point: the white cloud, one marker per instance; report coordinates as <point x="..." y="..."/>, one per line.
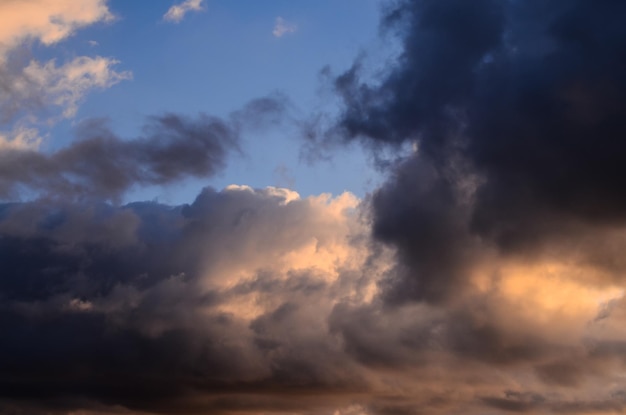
<point x="66" y="85"/>
<point x="48" y="21"/>
<point x="33" y="92"/>
<point x="177" y="12"/>
<point x="45" y="92"/>
<point x="283" y="27"/>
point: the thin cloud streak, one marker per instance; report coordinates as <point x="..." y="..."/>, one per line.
<point x="101" y="165"/>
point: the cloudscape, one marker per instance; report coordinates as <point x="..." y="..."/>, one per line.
<point x="365" y="207"/>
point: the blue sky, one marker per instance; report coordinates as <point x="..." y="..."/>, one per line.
<point x="214" y="61"/>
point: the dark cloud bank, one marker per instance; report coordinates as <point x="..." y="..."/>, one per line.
<point x="518" y="109"/>
<point x="506" y="228"/>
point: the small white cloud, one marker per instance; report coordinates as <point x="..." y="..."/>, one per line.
<point x="177" y="12"/>
<point x="283" y="27"/>
<point x="93" y="43"/>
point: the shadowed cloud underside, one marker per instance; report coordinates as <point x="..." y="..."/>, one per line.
<point x="485" y="275"/>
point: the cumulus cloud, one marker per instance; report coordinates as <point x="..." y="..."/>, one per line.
<point x="99" y="164"/>
<point x="283" y="27"/>
<point x="507" y="219"/>
<point x="228" y="295"/>
<point x="38" y="88"/>
<point x="32" y="92"/>
<point x="48" y="21"/>
<point x="506" y="160"/>
<point x="177" y="12"/>
<point x="20" y="137"/>
<point x="259" y="300"/>
<point x="486" y="275"/>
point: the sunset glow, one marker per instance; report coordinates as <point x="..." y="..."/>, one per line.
<point x="334" y="207"/>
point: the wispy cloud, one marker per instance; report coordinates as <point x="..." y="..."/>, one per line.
<point x="35" y="92"/>
<point x="177" y="12"/>
<point x="63" y="86"/>
<point x="283" y="27"/>
<point x="47" y="21"/>
<point x="485" y="275"/>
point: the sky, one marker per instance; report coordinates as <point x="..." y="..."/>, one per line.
<point x="347" y="207"/>
<point x="201" y="61"/>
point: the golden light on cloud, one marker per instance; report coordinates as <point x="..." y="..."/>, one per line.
<point x="48" y="21"/>
<point x="320" y="237"/>
<point x="483" y="274"/>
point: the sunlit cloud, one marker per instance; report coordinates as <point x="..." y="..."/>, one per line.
<point x="36" y="94"/>
<point x="48" y="21"/>
<point x="486" y="274"/>
<point x="282" y="27"/>
<point x="177" y="12"/>
<point x="50" y="86"/>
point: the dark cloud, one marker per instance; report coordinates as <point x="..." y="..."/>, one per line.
<point x="101" y="165"/>
<point x="515" y="401"/>
<point x="520" y="102"/>
<point x="484" y="276"/>
<point x="130" y="306"/>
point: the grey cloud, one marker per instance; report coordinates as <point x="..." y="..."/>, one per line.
<point x="515" y="190"/>
<point x="106" y="306"/>
<point x="142" y="307"/>
<point x="101" y="165"/>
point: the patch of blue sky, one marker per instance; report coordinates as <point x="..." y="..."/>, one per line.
<point x="216" y="60"/>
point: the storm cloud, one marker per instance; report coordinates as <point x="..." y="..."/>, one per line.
<point x="484" y="276"/>
<point x="517" y="110"/>
<point x="100" y="164"/>
<point x="164" y="309"/>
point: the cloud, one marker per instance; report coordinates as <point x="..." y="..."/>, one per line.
<point x="48" y="21"/>
<point x="20" y="138"/>
<point x="177" y="12"/>
<point x="100" y="164"/>
<point x="503" y="126"/>
<point x="257" y="300"/>
<point x="486" y="274"/>
<point x="151" y="288"/>
<point x="283" y="27"/>
<point x="38" y="88"/>
<point x="106" y="166"/>
<point x="32" y="92"/>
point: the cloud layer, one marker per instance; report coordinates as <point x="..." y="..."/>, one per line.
<point x="485" y="276"/>
<point x="228" y="296"/>
<point x="517" y="112"/>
